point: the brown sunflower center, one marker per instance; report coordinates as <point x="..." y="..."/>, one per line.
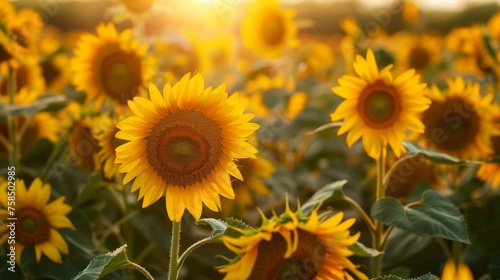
<point x="451" y="125"/>
<point x="33" y="227"/>
<point x="379" y="105"/>
<point x="4" y="54"/>
<point x="304" y="264"/>
<point x="418" y="58"/>
<point x="119" y="75"/>
<point x="50" y="73"/>
<point x="184" y="147"/>
<point x="273" y="29"/>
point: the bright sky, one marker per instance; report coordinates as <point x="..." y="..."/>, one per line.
<point x="450" y="5"/>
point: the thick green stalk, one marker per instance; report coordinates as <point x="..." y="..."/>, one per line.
<point x="174" y="251"/>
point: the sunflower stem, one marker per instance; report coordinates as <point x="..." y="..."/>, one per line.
<point x="142" y="270"/>
<point x="193" y="247"/>
<point x="378" y="241"/>
<point x="10" y="117"/>
<point x="174" y="251"/>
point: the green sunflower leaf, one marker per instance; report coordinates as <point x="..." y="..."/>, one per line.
<point x="332" y="191"/>
<point x="437" y="157"/>
<point x="30" y="109"/>
<point x="433" y="215"/>
<point x="110" y="262"/>
<point x="218" y="226"/>
<point x="326" y="127"/>
<point x="359" y="249"/>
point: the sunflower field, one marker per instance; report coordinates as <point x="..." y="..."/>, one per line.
<point x="249" y="139"/>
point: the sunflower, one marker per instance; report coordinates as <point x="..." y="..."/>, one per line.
<point x="409" y="174"/>
<point x="104" y="132"/>
<point x="110" y="64"/>
<point x="378" y="107"/>
<point x="37" y="221"/>
<point x="26" y="26"/>
<point x="183" y="144"/>
<point x="459" y="121"/>
<point x="84" y="147"/>
<point x="452" y="271"/>
<point x="7" y="11"/>
<point x="252" y="172"/>
<point x="293" y="246"/>
<point x="472" y="53"/>
<point x="29" y="82"/>
<point x="410" y="12"/>
<point x="7" y="53"/>
<point x="419" y="52"/>
<point x="490" y="172"/>
<point x="267" y="30"/>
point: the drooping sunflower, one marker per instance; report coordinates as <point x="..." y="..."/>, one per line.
<point x="252" y="172"/>
<point x="293" y="246"/>
<point x="37" y="221"/>
<point x="378" y="107"/>
<point x="267" y="29"/>
<point x="110" y="65"/>
<point x="182" y="145"/>
<point x="490" y="172"/>
<point x="459" y="121"/>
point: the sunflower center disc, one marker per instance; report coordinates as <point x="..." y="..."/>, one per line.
<point x="419" y="58"/>
<point x="120" y="75"/>
<point x="4" y="54"/>
<point x="378" y="105"/>
<point x="305" y="263"/>
<point x="456" y="123"/>
<point x="274" y="29"/>
<point x="33" y="226"/>
<point x="184" y="147"/>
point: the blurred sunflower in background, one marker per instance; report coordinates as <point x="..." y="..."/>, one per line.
<point x="454" y="271"/>
<point x="459" y="121"/>
<point x="29" y="83"/>
<point x="418" y="52"/>
<point x="110" y="65"/>
<point x="104" y="132"/>
<point x="379" y="108"/>
<point x="253" y="171"/>
<point x="84" y="147"/>
<point x="292" y="245"/>
<point x="490" y="172"/>
<point x="267" y="29"/>
<point x="38" y="221"/>
<point x="182" y="144"/>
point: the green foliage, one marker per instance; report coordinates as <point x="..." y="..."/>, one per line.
<point x="220" y="227"/>
<point x="361" y="250"/>
<point x="434" y="216"/>
<point x="436" y="157"/>
<point x="401" y="245"/>
<point x="107" y="263"/>
<point x="43" y="102"/>
<point x="330" y="192"/>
